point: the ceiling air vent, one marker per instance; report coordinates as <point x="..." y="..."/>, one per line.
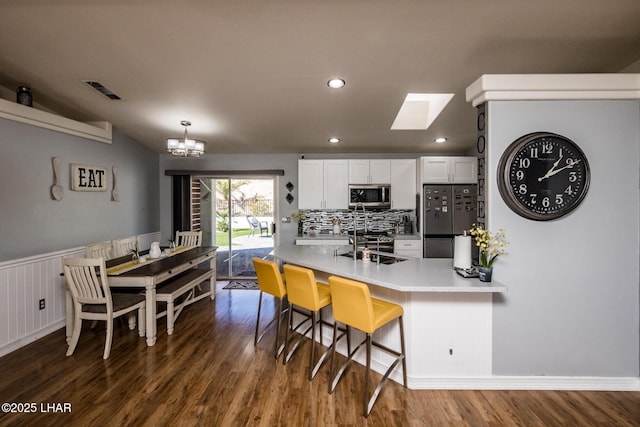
<point x="100" y="88"/>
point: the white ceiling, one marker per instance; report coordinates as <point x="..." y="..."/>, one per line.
<point x="251" y="74"/>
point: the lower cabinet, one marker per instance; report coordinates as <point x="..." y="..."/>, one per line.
<point x="408" y="248"/>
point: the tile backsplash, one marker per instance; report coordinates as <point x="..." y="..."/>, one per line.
<point x="381" y="220"/>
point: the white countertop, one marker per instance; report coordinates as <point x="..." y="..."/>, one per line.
<point x="345" y="237"/>
<point x="412" y="275"/>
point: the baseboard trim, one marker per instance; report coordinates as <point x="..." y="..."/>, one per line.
<point x="489" y="382"/>
<point x="523" y="383"/>
<point x="28" y="339"/>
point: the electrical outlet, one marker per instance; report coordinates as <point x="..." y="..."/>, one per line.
<point x="41" y="304"/>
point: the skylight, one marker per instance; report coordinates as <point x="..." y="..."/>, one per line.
<point x="419" y="110"/>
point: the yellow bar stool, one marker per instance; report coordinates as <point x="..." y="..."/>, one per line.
<point x="303" y="292"/>
<point x="354" y="307"/>
<point x="270" y="281"/>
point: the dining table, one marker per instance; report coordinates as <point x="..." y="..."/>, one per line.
<point x="148" y="273"/>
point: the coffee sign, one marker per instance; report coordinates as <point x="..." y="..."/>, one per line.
<point x="88" y="177"/>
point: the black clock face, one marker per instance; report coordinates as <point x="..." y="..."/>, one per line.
<point x="543" y="176"/>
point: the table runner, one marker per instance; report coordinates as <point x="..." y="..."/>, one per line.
<point x="133" y="264"/>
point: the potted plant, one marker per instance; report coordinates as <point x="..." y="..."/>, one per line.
<point x="299" y="217"/>
<point x="491" y="246"/>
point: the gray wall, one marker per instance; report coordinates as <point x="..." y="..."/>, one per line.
<point x="33" y="223"/>
<point x="241" y="162"/>
<point x="572" y="305"/>
<point x="247" y="162"/>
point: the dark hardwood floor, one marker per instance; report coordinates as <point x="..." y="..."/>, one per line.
<point x="209" y="373"/>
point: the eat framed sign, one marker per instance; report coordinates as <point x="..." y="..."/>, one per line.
<point x="88" y="177"/>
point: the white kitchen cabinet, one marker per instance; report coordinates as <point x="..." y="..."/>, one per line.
<point x="403" y="183"/>
<point x="323" y="184"/>
<point x="310" y="184"/>
<point x="408" y="248"/>
<point x="373" y="171"/>
<point x="449" y="170"/>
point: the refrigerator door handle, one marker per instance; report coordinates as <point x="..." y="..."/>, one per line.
<point x="417" y="212"/>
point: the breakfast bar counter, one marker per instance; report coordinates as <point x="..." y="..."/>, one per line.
<point x="448" y="319"/>
<point x="411" y="275"/>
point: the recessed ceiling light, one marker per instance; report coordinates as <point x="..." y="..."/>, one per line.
<point x="334" y="140"/>
<point x="336" y="83"/>
<point x="440" y="140"/>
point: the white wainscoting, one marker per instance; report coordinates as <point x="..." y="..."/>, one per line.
<point x="23" y="283"/>
<point x="145" y="240"/>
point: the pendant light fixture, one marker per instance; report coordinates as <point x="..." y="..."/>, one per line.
<point x="185" y="147"/>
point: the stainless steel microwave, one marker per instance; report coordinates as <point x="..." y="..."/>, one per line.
<point x="373" y="195"/>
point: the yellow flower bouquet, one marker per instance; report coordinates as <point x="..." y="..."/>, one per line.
<point x="298" y="216"/>
<point x="491" y="245"/>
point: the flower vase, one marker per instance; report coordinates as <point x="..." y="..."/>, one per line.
<point x="484" y="273"/>
<point x="155" y="251"/>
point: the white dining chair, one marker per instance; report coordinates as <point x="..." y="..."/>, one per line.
<point x="100" y="250"/>
<point x="122" y="247"/>
<point x="92" y="299"/>
<point x="188" y="238"/>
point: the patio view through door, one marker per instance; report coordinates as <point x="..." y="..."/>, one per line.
<point x="236" y="214"/>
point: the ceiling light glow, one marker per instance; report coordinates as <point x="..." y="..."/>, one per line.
<point x="185" y="146"/>
<point x="440" y="140"/>
<point x="334" y="140"/>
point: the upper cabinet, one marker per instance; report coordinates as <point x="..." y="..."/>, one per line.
<point x="374" y="171"/>
<point x="403" y="183"/>
<point x="323" y="184"/>
<point x="449" y="170"/>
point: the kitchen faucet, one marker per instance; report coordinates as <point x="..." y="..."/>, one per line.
<point x="355" y="228"/>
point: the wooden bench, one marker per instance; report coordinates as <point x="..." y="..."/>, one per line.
<point x="180" y="285"/>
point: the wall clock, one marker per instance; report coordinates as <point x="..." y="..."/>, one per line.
<point x="543" y="176"/>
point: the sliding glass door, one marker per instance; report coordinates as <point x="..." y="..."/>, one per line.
<point x="237" y="215"/>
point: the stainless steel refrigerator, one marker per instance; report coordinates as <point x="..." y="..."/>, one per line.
<point x="448" y="211"/>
